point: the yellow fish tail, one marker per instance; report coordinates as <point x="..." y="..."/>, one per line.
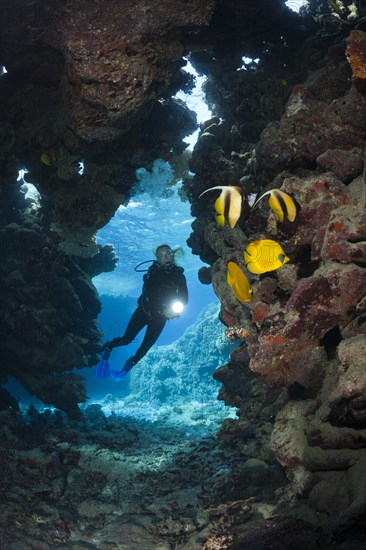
<point x="242" y="294"/>
<point x="291" y="209"/>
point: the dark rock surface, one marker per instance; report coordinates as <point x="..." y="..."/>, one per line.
<point x="105" y="102"/>
<point x="49" y="307"/>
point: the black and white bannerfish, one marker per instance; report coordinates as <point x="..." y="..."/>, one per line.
<point x="230" y="205"/>
<point x="282" y="204"/>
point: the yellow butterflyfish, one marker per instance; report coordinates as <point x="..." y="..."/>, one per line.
<point x="239" y="282"/>
<point x="264" y="255"/>
<point x="48" y="158"/>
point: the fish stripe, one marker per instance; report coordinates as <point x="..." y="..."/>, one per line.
<point x="227" y="202"/>
<point x="282" y="203"/>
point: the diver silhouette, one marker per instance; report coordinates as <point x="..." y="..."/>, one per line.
<point x="164" y="295"/>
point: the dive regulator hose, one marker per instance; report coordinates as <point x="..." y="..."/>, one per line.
<point x="142" y="263"/>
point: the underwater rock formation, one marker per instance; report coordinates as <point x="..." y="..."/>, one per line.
<point x="119" y="61"/>
<point x="308" y="129"/>
<point x="106" y="103"/>
<point x="49" y="307"/>
<point x="356" y="54"/>
<point x="302" y="332"/>
<point x="86" y="99"/>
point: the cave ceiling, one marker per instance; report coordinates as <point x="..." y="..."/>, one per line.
<point x="92" y="81"/>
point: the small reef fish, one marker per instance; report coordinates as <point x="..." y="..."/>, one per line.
<point x="238" y="282"/>
<point x="263" y="256"/>
<point x="48" y="159"/>
<point x="230" y="204"/>
<point x="282" y="204"/>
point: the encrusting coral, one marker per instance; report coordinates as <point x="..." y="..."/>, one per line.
<point x="306" y="318"/>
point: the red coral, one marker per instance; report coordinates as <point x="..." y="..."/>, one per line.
<point x="260" y="313"/>
<point x="356" y="55"/>
<point x="227" y="318"/>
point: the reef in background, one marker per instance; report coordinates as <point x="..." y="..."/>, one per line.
<point x="182" y="371"/>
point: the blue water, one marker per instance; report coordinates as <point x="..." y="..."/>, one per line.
<point x="155" y="215"/>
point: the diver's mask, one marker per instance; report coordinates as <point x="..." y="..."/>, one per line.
<point x="165" y="256"/>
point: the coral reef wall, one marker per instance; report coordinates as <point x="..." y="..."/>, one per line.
<point x="295" y="120"/>
<point x="81" y="75"/>
<point x="49" y="305"/>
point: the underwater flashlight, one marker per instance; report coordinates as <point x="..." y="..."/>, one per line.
<point x="177" y="307"/>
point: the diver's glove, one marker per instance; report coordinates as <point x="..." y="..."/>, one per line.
<point x="169" y="314"/>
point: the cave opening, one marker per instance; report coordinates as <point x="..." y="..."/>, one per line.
<point x="159" y="212"/>
<point x="296" y="5"/>
<point x="330" y="341"/>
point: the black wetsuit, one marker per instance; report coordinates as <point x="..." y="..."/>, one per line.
<point x="162" y="286"/>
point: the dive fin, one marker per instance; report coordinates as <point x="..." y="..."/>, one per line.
<point x="103" y="367"/>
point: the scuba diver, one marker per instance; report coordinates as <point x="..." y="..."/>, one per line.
<point x="164" y="295"/>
